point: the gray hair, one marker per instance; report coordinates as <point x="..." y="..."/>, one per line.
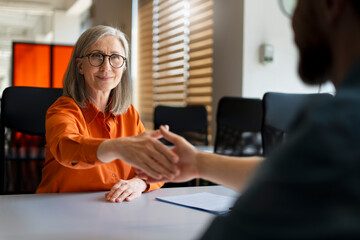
<point x="74" y="82"/>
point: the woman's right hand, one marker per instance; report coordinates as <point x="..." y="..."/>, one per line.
<point x="144" y="152"/>
<point x="187" y="164"/>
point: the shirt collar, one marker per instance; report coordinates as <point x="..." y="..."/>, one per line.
<point x="91" y="112"/>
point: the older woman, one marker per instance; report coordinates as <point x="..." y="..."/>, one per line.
<point x="93" y="126"/>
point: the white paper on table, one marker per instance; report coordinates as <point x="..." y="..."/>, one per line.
<point x="205" y="201"/>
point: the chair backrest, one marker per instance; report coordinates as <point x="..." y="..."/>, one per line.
<point x="280" y="110"/>
<point x="23" y="111"/>
<point x="238" y="131"/>
<point x="190" y="122"/>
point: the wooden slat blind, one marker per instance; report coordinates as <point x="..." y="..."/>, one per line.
<point x="180" y="43"/>
<point x="145" y="64"/>
<point x="201" y="55"/>
<point x="170" y="51"/>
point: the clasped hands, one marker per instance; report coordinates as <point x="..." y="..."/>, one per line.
<point x="186" y="164"/>
<point x="154" y="162"/>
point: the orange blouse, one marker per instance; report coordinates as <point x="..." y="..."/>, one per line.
<point x="73" y="135"/>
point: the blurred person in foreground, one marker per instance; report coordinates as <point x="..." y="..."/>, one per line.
<point x="94" y="135"/>
<point x="308" y="188"/>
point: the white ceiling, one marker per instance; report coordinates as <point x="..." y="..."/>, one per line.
<point x="30" y="20"/>
<point x="21" y="19"/>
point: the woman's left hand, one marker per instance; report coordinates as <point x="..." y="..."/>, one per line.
<point x="126" y="190"/>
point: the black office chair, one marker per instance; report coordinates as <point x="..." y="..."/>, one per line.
<point x="280" y="110"/>
<point x="23" y="111"/>
<point x="238" y="131"/>
<point x="190" y="122"/>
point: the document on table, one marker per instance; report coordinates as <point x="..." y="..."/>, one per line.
<point x="205" y="201"/>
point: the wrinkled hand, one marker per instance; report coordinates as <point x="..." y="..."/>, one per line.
<point x="126" y="190"/>
<point x="187" y="159"/>
<point x="144" y="152"/>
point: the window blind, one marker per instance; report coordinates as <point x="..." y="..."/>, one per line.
<point x="177" y="35"/>
<point x="144" y="72"/>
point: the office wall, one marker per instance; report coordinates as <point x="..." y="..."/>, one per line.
<point x="240" y="28"/>
<point x="228" y="49"/>
<point x="116" y="13"/>
<point x="264" y="23"/>
<point x="67" y="28"/>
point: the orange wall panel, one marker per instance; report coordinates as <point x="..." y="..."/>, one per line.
<point x="31" y="65"/>
<point x="40" y="65"/>
<point x="61" y="58"/>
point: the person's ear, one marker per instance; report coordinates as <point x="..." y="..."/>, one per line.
<point x="79" y="65"/>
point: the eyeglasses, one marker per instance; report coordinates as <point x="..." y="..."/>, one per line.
<point x="288" y="6"/>
<point x="97" y="59"/>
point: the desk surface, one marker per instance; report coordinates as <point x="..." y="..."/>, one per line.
<point x="88" y="216"/>
<point x="208" y="149"/>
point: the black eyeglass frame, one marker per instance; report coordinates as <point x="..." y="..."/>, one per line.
<point x="105" y="55"/>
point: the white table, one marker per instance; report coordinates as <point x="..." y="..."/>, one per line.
<point x="88" y="216"/>
<point x="208" y="149"/>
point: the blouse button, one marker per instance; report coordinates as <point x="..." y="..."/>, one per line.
<point x="114" y="175"/>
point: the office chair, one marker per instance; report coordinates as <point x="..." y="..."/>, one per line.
<point x="238" y="131"/>
<point x="279" y="111"/>
<point x="190" y="122"/>
<point x="23" y="111"/>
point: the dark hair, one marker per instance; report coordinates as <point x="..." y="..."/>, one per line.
<point x="356" y="4"/>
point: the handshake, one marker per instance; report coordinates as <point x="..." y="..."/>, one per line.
<point x="183" y="163"/>
<point x="156" y="162"/>
<point x="176" y="164"/>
